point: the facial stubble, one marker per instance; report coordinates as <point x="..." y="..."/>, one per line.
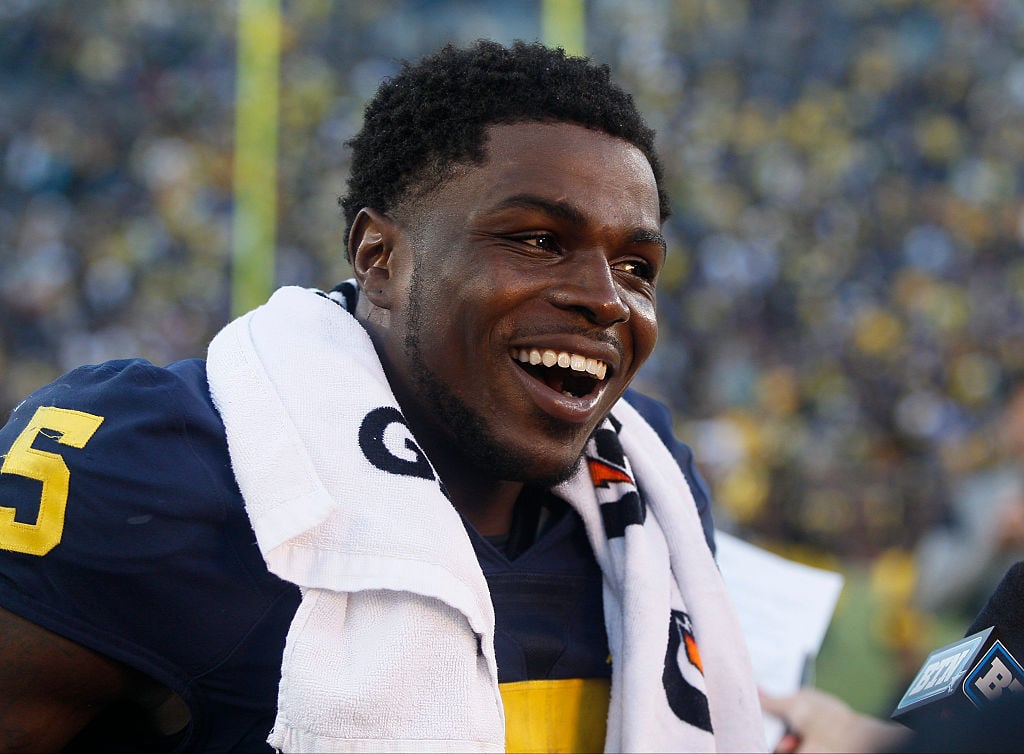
<point x="467" y="429"/>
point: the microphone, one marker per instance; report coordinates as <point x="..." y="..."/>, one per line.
<point x="976" y="671"/>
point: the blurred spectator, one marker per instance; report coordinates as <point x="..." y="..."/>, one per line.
<point x="959" y="562"/>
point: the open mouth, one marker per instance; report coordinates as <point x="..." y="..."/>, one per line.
<point x="570" y="374"/>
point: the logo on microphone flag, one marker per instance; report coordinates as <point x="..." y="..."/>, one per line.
<point x="996" y="674"/>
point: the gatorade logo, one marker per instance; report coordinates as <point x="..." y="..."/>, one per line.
<point x="683" y="672"/>
<point x="387" y="443"/>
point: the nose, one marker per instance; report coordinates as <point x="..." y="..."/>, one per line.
<point x="588" y="287"/>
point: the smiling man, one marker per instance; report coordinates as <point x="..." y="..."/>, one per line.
<point x="419" y="512"/>
<point x="487" y="306"/>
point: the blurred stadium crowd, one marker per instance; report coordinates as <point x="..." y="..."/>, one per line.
<point x="843" y="310"/>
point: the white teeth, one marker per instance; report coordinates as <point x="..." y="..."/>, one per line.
<point x="564" y="359"/>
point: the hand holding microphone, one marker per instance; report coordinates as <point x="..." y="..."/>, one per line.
<point x="819" y="722"/>
<point x="967" y="696"/>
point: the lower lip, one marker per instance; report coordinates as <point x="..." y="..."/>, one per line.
<point x="562" y="407"/>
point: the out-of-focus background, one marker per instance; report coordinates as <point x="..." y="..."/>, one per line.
<point x="842" y="313"/>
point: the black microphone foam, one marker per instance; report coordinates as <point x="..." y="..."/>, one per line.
<point x="992" y="722"/>
<point x="1005" y="609"/>
<point x="976" y="671"/>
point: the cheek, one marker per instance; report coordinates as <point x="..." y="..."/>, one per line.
<point x="488" y="298"/>
<point x="644" y="321"/>
<point x="646" y="346"/>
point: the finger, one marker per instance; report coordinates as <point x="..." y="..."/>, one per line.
<point x="774" y="705"/>
<point x="787" y="744"/>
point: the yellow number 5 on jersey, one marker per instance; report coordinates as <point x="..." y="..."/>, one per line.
<point x="75" y="429"/>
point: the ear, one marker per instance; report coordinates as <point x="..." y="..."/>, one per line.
<point x="371" y="245"/>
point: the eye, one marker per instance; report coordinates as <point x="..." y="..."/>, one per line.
<point x="543" y="241"/>
<point x="637" y="268"/>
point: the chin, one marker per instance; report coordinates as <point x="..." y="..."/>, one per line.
<point x="547" y="475"/>
<point x="542" y="451"/>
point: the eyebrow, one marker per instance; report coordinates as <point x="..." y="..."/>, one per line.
<point x="569" y="213"/>
<point x="640" y="235"/>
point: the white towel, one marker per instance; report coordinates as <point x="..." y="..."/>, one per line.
<point x="391" y="648"/>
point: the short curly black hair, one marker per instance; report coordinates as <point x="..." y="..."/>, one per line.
<point x="433" y="115"/>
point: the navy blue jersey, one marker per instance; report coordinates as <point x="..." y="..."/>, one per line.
<point x="152" y="561"/>
<point x="554" y="667"/>
<point x="547" y="600"/>
<point x="122" y="529"/>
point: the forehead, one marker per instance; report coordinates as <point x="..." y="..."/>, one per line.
<point x="599" y="173"/>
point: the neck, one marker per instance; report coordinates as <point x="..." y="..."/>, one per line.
<point x="487" y="505"/>
<point x="485" y="502"/>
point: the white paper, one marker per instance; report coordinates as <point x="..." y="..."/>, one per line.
<point x="784" y="609"/>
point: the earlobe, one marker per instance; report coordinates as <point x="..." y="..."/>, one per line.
<point x="371" y="243"/>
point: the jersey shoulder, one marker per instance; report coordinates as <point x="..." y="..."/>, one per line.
<point x="125" y="525"/>
<point x="128" y="394"/>
<point x="109" y="443"/>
